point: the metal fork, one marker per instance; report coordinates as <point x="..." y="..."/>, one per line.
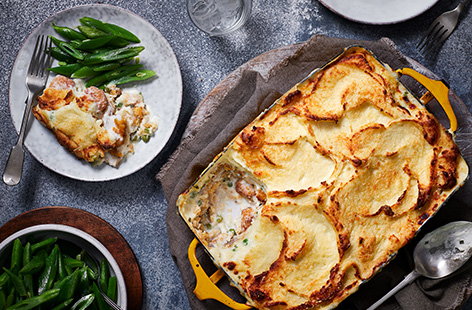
<point x="36" y="78"/>
<point x="441" y="29"/>
<point x="107" y="299"/>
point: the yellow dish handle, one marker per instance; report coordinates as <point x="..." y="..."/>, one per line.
<point x="206" y="288"/>
<point x="438" y="89"/>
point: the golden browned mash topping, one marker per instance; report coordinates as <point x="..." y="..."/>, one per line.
<point x="318" y="193"/>
<point x="96" y="125"/>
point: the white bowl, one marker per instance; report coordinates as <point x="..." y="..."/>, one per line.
<point x="77" y="237"/>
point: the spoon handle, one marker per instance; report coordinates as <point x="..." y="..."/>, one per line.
<point x="408" y="279"/>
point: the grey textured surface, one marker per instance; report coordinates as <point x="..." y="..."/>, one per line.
<point x="135" y="205"/>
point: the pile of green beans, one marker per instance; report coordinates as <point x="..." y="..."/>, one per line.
<point x="99" y="53"/>
<point x="42" y="276"/>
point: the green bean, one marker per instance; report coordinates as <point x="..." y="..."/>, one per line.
<point x="66" y="70"/>
<point x="84" y="302"/>
<point x="17" y="282"/>
<point x="68" y="269"/>
<point x="103" y="49"/>
<point x="63" y="305"/>
<point x="110" y="28"/>
<point x="84" y="283"/>
<point x="3" y="280"/>
<point x="118" y="42"/>
<point x="35" y="264"/>
<point x="56" y="41"/>
<point x="81" y="255"/>
<point x="10" y="297"/>
<point x="92" y="44"/>
<point x="72" y="51"/>
<point x="84" y="72"/>
<point x="123" y="33"/>
<point x="26" y="254"/>
<point x="106" y="67"/>
<point x="49" y="273"/>
<point x="112" y="75"/>
<point x="111" y="289"/>
<point x="73" y="263"/>
<point x="94" y="23"/>
<point x="16" y="256"/>
<point x="99" y="298"/>
<point x="91" y="32"/>
<point x="3" y="300"/>
<point x="134" y="60"/>
<point x="33" y="302"/>
<point x="58" y="54"/>
<point x="91" y="274"/>
<point x="61" y="269"/>
<point x="104" y="275"/>
<point x="139" y="75"/>
<point x="41" y="245"/>
<point x="69" y="48"/>
<point x="27" y="279"/>
<point x="113" y="55"/>
<point x="68" y="286"/>
<point x="75" y="43"/>
<point x="68" y="33"/>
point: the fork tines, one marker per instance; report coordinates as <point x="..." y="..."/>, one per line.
<point x="435" y="37"/>
<point x="41" y="58"/>
<point x="441" y="29"/>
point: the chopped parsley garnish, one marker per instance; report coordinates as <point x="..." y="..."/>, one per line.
<point x="230" y="184"/>
<point x="232" y="230"/>
<point x="235" y="247"/>
<point x="193" y="194"/>
<point x="219" y="219"/>
<point x="208" y="226"/>
<point x="119" y="104"/>
<point x="199" y="202"/>
<point x="245" y="241"/>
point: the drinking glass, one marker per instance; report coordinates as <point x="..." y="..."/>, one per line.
<point x="218" y="17"/>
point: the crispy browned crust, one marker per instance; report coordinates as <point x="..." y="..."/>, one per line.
<point x="57" y="96"/>
<point x="379" y="182"/>
<point x="53" y="99"/>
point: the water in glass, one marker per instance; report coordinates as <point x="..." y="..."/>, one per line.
<point x="217" y="17"/>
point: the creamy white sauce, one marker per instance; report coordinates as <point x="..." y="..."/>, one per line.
<point x="227" y="211"/>
<point x="79" y="88"/>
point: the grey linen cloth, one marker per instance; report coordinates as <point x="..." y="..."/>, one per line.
<point x="237" y="100"/>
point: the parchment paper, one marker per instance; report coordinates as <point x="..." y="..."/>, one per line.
<point x="238" y="99"/>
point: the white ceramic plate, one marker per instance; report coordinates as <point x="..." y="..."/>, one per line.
<point x="378" y="11"/>
<point x="163" y="95"/>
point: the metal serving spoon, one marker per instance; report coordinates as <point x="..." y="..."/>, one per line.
<point x="439" y="254"/>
